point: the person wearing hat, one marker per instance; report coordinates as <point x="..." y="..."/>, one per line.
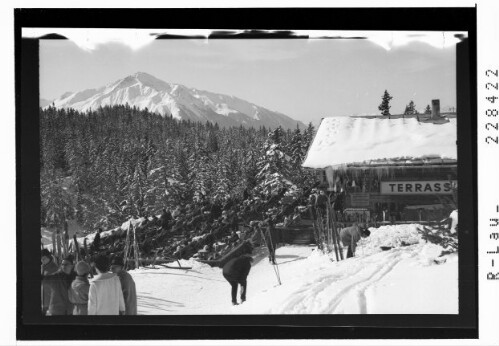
<point x="59" y="284"/>
<point x="127" y="286"/>
<point x="105" y="296"/>
<point x="78" y="293"/>
<point x="48" y="267"/>
<point x="351" y="235"/>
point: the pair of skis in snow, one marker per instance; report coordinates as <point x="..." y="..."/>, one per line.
<point x="271" y="248"/>
<point x="60" y="245"/>
<point x="147" y="263"/>
<point x="326" y="233"/>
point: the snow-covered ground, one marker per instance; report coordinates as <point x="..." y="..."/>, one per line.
<point x="402" y="280"/>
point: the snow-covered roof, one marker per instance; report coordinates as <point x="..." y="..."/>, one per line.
<point x="345" y="140"/>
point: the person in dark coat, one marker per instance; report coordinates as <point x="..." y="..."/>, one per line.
<point x="48" y="267"/>
<point x="350" y="236"/>
<point x="96" y="242"/>
<point x="236" y="272"/>
<point x="271" y="239"/>
<point x="165" y="218"/>
<point x="59" y="284"/>
<point x="127" y="286"/>
<point x="321" y="202"/>
<point x="78" y="292"/>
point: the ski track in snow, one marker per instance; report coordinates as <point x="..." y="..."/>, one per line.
<point x="333" y="289"/>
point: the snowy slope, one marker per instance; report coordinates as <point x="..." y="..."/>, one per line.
<point x="403" y="280"/>
<point x="144" y="90"/>
<point x="342" y="140"/>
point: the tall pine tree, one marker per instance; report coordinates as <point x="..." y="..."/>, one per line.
<point x="384" y="107"/>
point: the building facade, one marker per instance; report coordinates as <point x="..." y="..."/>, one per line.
<point x="416" y="191"/>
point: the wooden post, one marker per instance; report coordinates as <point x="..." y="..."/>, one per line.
<point x="318" y="222"/>
<point x="135" y="248"/>
<point x="331" y="229"/>
<point x="66" y="241"/>
<point x="66" y="236"/>
<point x="54" y="247"/>
<point x="85" y="247"/>
<point x="59" y="250"/>
<point x="76" y="248"/>
<point x="127" y="245"/>
<point x="316" y="231"/>
<point x="64" y="244"/>
<point x="322" y="232"/>
<point x="337" y="238"/>
<point x="276" y="270"/>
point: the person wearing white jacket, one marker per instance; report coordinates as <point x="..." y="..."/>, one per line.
<point x="105" y="296"/>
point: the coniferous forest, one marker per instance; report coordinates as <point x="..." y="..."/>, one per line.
<point x="107" y="165"/>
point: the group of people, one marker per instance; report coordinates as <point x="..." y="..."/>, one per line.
<point x="101" y="287"/>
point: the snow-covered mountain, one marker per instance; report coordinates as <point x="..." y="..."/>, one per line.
<point x="143" y="90"/>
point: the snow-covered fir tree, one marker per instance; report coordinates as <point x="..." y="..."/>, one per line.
<point x="274" y="173"/>
<point x="410" y="109"/>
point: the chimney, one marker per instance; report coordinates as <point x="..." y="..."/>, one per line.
<point x="435" y="109"/>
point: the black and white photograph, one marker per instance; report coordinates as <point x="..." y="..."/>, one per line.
<point x="195" y="175"/>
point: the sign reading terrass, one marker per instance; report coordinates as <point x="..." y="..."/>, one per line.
<point x="436" y="187"/>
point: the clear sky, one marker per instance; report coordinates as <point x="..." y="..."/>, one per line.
<point x="304" y="79"/>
